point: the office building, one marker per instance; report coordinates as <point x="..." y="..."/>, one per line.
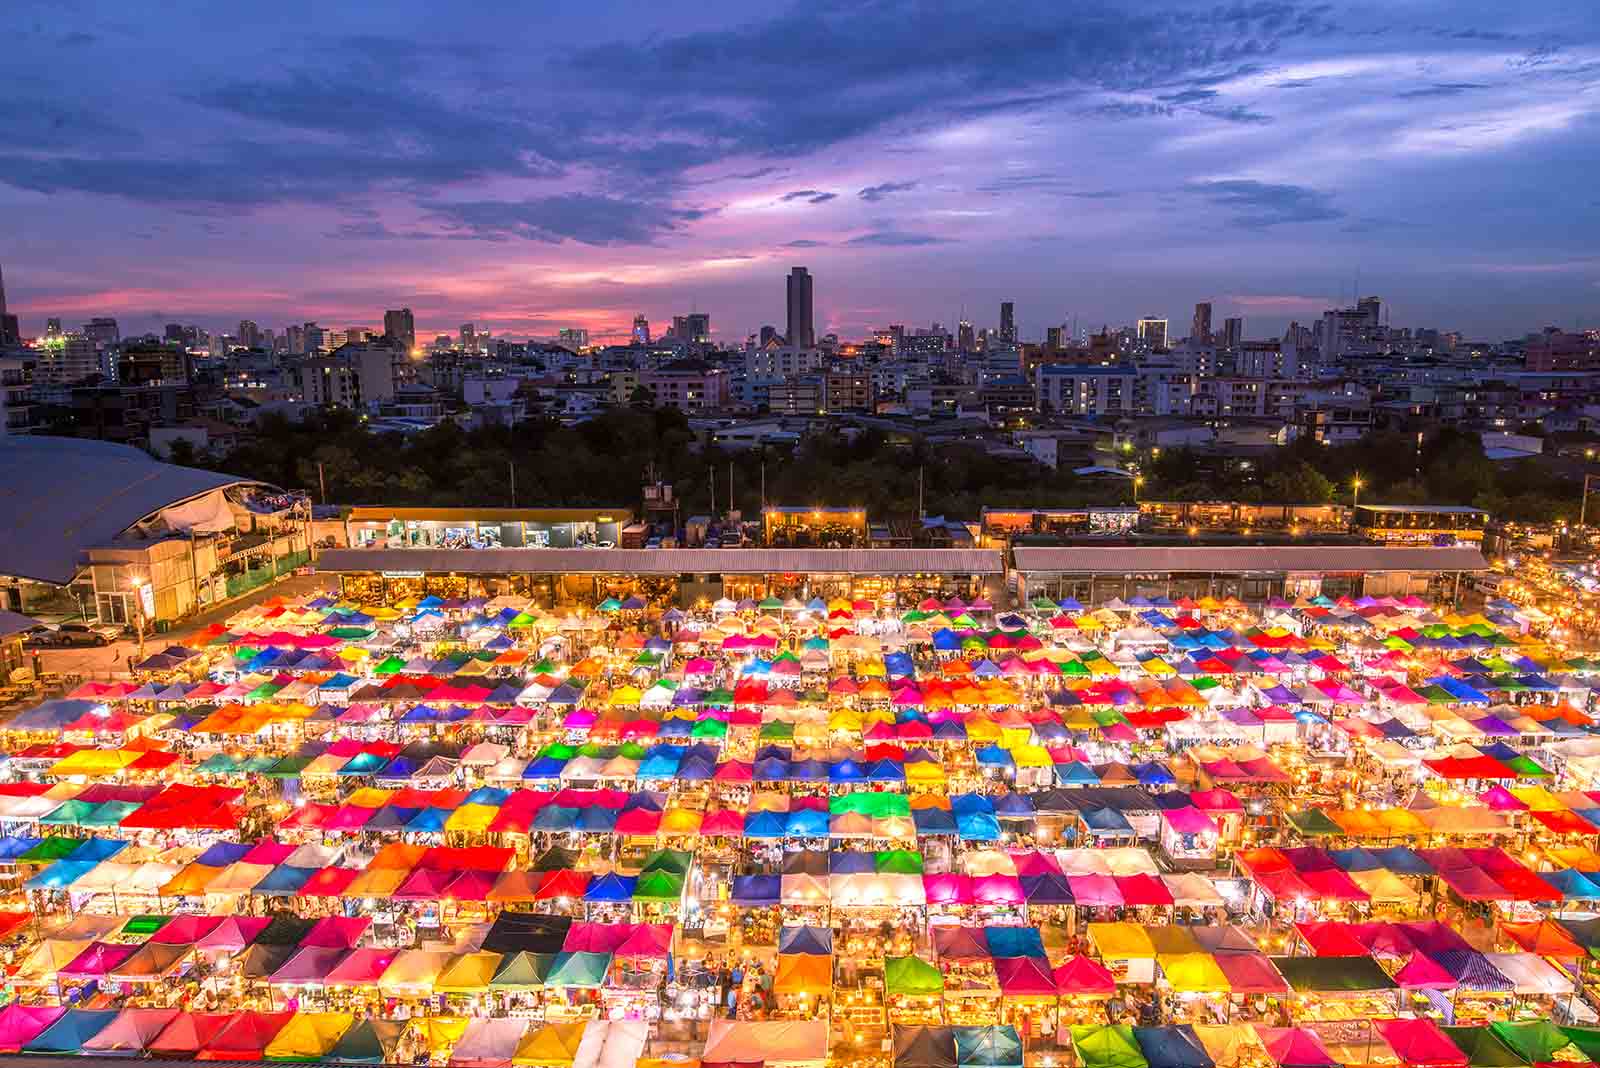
<point x="8" y="322"/>
<point x="359" y="377"/>
<point x="641" y="330"/>
<point x="802" y="331"/>
<point x="1152" y="333"/>
<point x="1008" y="322"/>
<point x="295" y="339"/>
<point x="249" y="334"/>
<point x="102" y="331"/>
<point x="966" y="338"/>
<point x="469" y="337"/>
<point x="149" y="365"/>
<point x="573" y="337"/>
<point x="65" y="359"/>
<point x="1232" y="334"/>
<point x="1200" y="329"/>
<point x="400" y="328"/>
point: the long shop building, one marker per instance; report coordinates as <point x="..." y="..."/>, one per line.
<point x="1091" y="574"/>
<point x="682" y="577"/>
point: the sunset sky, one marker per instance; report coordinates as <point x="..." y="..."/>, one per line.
<point x="538" y="165"/>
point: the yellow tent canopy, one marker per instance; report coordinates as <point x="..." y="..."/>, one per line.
<point x="551" y="1045"/>
<point x="308" y="1036"/>
<point x="468" y="973"/>
<point x="1121" y="941"/>
<point x="1193" y="973"/>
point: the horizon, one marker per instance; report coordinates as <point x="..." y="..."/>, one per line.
<point x="925" y="160"/>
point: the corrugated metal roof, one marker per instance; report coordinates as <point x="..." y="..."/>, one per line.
<point x="59" y="496"/>
<point x="668" y="561"/>
<point x="1121" y="560"/>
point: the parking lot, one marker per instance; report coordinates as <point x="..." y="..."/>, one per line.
<point x="114" y="660"/>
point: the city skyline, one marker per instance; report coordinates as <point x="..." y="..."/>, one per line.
<point x="925" y="162"/>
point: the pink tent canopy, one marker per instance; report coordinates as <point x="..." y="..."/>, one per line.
<point x="1189" y="820"/>
<point x="1295" y="1047"/>
<point x="1422" y="973"/>
<point x="1024" y="976"/>
<point x="363" y="967"/>
<point x="1215" y="801"/>
<point x="647" y="940"/>
<point x="997" y="890"/>
<point x="1081" y="975"/>
<point x="96" y="961"/>
<point x="182" y="930"/>
<point x="596" y="937"/>
<point x="1095" y="890"/>
<point x="309" y="965"/>
<point x="130" y="1032"/>
<point x="1251" y="973"/>
<point x="232" y="934"/>
<point x="1420" y="1041"/>
<point x="337" y="932"/>
<point x="21" y="1024"/>
<point x="947" y="889"/>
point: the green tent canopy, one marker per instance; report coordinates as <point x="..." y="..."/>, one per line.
<point x="898" y="862"/>
<point x="368" y="1041"/>
<point x="586" y="970"/>
<point x="911" y="976"/>
<point x="1107" y="1046"/>
<point x="659" y="886"/>
<point x="523" y="970"/>
<point x="1537" y="1040"/>
<point x="1313" y="821"/>
<point x="1482" y="1048"/>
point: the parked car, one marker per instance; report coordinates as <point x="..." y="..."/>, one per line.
<point x="68" y="635"/>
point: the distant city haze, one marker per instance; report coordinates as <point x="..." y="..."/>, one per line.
<point x="572" y="166"/>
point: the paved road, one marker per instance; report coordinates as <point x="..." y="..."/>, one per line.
<point x="108" y="661"/>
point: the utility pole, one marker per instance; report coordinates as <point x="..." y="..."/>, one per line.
<point x="1583" y="508"/>
<point x="763" y="486"/>
<point x="322" y="485"/>
<point x="921" y="512"/>
<point x="513" y="465"/>
<point x="732" y="505"/>
<point x="712" y="472"/>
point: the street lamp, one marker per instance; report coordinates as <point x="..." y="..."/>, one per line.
<point x="138" y="615"/>
<point x="1138" y="480"/>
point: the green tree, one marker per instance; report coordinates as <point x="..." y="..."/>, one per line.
<point x="1299" y="483"/>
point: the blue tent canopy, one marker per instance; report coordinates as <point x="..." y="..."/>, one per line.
<point x="806" y="823"/>
<point x="850" y="863"/>
<point x="221" y="854"/>
<point x="555" y="818"/>
<point x="284" y="881"/>
<point x="1047" y="889"/>
<point x="1014" y="942"/>
<point x="764" y="825"/>
<point x="1172" y="1047"/>
<point x="933" y="821"/>
<point x="757" y="889"/>
<point x="611" y="887"/>
<point x="68" y="1034"/>
<point x="814" y="941"/>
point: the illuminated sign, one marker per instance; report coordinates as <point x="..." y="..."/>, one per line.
<point x="402" y="574"/>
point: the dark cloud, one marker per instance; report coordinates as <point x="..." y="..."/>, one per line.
<point x="810" y="196"/>
<point x="1259" y="205"/>
<point x="804" y="243"/>
<point x="1441" y="89"/>
<point x="895" y="239"/>
<point x="1190" y="96"/>
<point x="876" y="193"/>
<point x="1053" y="184"/>
<point x="585" y="218"/>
